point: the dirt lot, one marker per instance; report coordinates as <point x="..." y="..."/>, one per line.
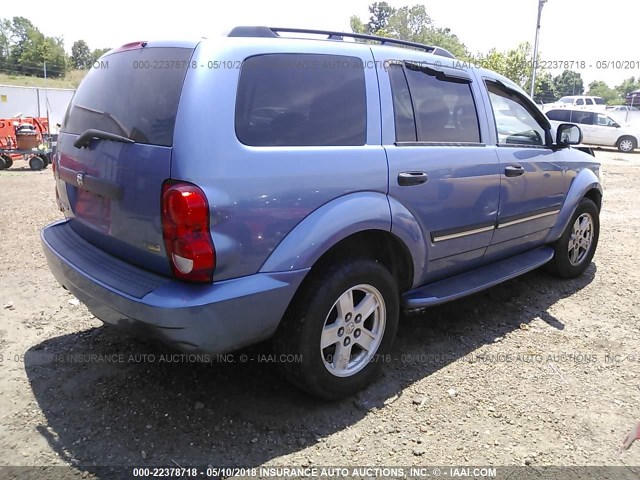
<point x="535" y="371"/>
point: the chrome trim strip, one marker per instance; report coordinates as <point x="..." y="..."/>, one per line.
<point x="528" y="219"/>
<point x="462" y="234"/>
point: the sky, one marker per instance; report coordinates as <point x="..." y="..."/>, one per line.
<point x="571" y="30"/>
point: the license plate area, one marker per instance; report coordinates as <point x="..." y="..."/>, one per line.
<point x="94" y="209"/>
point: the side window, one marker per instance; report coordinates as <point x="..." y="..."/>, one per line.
<point x="559" y="115"/>
<point x="580" y="101"/>
<point x="584" y="118"/>
<point x="443" y="107"/>
<point x="402" y="106"/>
<point x="588" y="101"/>
<point x="301" y="100"/>
<point x="515" y="123"/>
<point x="604" y="121"/>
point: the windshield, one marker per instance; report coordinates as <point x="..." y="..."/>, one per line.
<point x="599" y="101"/>
<point x="134" y="95"/>
<point x="566" y="100"/>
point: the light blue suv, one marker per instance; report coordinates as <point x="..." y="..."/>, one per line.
<point x="295" y="185"/>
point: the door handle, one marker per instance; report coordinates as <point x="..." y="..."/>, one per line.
<point x="513" y="171"/>
<point x="406" y="179"/>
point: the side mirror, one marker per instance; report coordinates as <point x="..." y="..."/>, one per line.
<point x="568" y="134"/>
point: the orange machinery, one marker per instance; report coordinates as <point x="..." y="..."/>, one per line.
<point x="8" y="138"/>
<point x="28" y="143"/>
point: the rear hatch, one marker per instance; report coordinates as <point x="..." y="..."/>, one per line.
<point x="115" y="150"/>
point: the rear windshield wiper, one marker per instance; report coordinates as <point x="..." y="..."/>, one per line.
<point x="85" y="138"/>
<point x="117" y="122"/>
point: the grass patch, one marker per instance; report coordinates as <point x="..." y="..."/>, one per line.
<point x="71" y="80"/>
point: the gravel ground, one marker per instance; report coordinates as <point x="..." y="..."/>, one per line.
<point x="536" y="371"/>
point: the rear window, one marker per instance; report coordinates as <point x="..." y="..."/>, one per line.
<point x="599" y="101"/>
<point x="559" y="115"/>
<point x="301" y="100"/>
<point x="135" y="95"/>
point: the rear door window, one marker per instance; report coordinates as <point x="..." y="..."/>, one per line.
<point x="301" y="100"/>
<point x="135" y="95"/>
<point x="443" y="106"/>
<point x="584" y="118"/>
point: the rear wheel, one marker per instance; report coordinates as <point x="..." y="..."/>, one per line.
<point x="627" y="144"/>
<point x="339" y="328"/>
<point x="36" y="163"/>
<point x="6" y="162"/>
<point x="577" y="245"/>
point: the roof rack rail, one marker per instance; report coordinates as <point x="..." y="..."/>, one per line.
<point x="272" y="32"/>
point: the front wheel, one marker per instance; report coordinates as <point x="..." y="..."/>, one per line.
<point x="627" y="144"/>
<point x="340" y="328"/>
<point x="577" y="245"/>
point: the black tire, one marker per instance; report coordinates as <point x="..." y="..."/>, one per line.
<point x="561" y="265"/>
<point x="6" y="162"/>
<point x="302" y="326"/>
<point x="36" y="163"/>
<point x="627" y="144"/>
<point x="45" y="159"/>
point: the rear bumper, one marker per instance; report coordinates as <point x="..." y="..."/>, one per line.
<point x="214" y="318"/>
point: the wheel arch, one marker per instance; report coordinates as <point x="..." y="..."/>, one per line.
<point x="585" y="185"/>
<point x="380" y="245"/>
<point x="357" y="224"/>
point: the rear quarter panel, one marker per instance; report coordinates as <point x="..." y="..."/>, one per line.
<point x="257" y="195"/>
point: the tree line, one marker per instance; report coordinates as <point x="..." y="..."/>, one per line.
<point x="413" y="23"/>
<point x="24" y="49"/>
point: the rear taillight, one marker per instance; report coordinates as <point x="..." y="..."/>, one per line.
<point x="185" y="228"/>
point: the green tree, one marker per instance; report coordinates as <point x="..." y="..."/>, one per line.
<point x="515" y="64"/>
<point x="568" y="83"/>
<point x="5" y="42"/>
<point x="380" y="12"/>
<point x="37" y="51"/>
<point x="24" y="49"/>
<point x="493" y="60"/>
<point x="408" y="23"/>
<point x="628" y="86"/>
<point x="601" y="89"/>
<point x="545" y="91"/>
<point x="97" y="53"/>
<point x="81" y="57"/>
<point x="21" y="30"/>
<point x="519" y="65"/>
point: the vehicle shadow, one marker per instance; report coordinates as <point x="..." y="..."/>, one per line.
<point x="21" y="169"/>
<point x="101" y="411"/>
